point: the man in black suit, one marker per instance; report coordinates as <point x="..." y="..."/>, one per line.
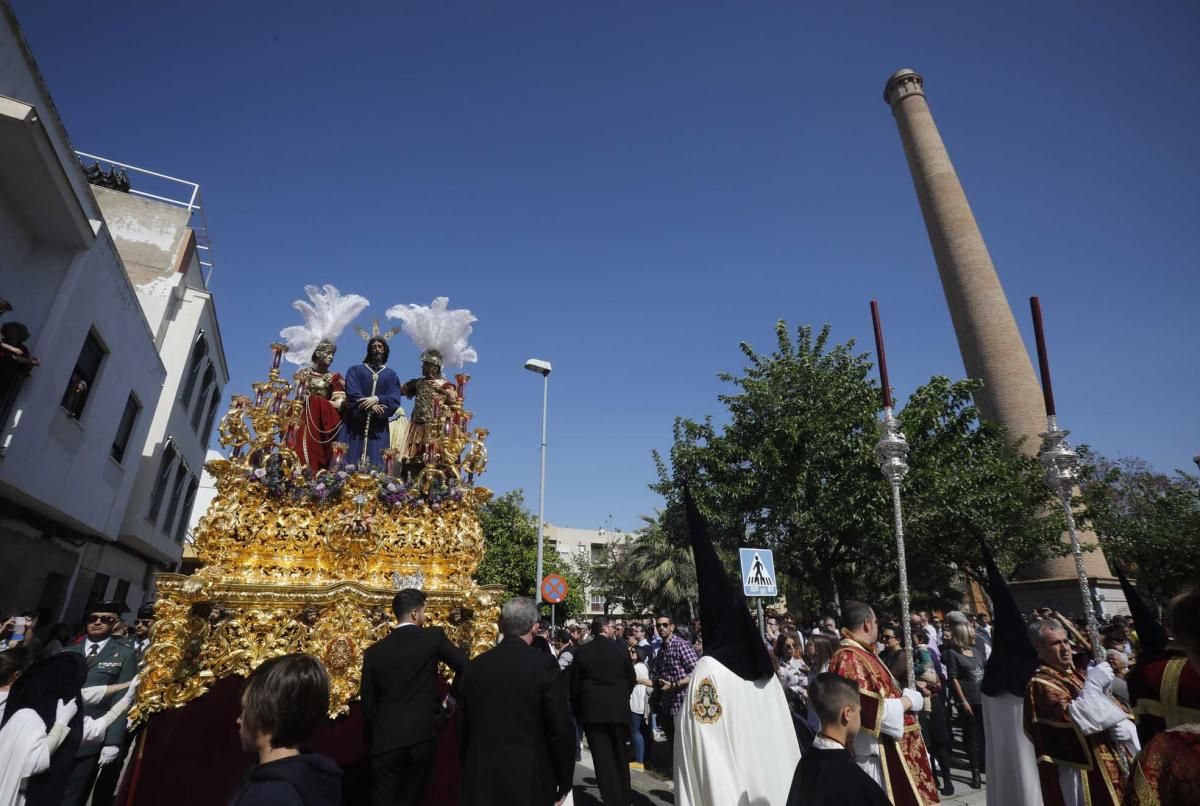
<point x="400" y="702"/>
<point x="601" y="680"/>
<point x="517" y="742"/>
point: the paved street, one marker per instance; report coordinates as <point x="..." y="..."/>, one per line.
<point x="650" y="790"/>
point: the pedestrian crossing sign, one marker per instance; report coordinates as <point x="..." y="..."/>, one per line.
<point x="758" y="572"/>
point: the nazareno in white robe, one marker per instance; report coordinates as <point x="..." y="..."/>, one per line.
<point x="25" y="750"/>
<point x="1012" y="774"/>
<point x="746" y="755"/>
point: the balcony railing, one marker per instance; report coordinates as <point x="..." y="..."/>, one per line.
<point x="173" y="191"/>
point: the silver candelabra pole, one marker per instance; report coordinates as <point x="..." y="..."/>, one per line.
<point x="891" y="451"/>
<point x="1062" y="476"/>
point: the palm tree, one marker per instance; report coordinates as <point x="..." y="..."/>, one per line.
<point x="658" y="569"/>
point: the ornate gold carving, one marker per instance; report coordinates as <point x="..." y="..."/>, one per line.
<point x="286" y="568"/>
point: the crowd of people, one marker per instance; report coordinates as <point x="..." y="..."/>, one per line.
<point x="625" y="687"/>
<point x="64" y="697"/>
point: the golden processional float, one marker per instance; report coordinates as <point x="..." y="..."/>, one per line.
<point x="299" y="561"/>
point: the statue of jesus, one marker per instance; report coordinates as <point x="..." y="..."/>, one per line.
<point x="372" y="397"/>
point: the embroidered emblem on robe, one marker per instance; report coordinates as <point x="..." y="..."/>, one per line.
<point x="705" y="705"/>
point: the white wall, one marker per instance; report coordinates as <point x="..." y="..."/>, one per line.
<point x="181" y="310"/>
<point x="570" y="542"/>
<point x="58" y="480"/>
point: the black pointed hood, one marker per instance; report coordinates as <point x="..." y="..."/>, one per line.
<point x="1151" y="634"/>
<point x="1013" y="660"/>
<point x="730" y="634"/>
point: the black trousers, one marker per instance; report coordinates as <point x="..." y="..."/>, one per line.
<point x="80" y="780"/>
<point x="973" y="738"/>
<point x="105" y="790"/>
<point x="398" y="776"/>
<point x="607" y="743"/>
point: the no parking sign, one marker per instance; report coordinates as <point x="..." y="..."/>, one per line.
<point x="554" y="588"/>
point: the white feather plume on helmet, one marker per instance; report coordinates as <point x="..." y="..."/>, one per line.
<point x="325" y="317"/>
<point x="437" y="330"/>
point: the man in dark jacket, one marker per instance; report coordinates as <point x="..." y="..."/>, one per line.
<point x="601" y="680"/>
<point x="400" y="701"/>
<point x="285" y="699"/>
<point x="517" y="741"/>
<point x="828" y="774"/>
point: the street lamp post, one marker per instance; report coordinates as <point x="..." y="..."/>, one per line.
<point x="541" y="368"/>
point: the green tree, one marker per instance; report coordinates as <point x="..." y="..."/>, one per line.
<point x="1147" y="521"/>
<point x="510" y="554"/>
<point x="650" y="571"/>
<point x="794" y="470"/>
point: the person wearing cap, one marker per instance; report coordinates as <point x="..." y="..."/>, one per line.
<point x="889" y="748"/>
<point x="735" y="741"/>
<point x="141" y="631"/>
<point x="109" y="777"/>
<point x="109" y="662"/>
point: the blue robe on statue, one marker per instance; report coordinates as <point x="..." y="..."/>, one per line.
<point x="356" y="426"/>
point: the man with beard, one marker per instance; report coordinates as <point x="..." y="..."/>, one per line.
<point x="372" y="396"/>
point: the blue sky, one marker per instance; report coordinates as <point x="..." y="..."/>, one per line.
<point x="630" y="189"/>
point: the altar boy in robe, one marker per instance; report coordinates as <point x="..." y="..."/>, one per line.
<point x="828" y="775"/>
<point x="1079" y="732"/>
<point x="889" y="748"/>
<point x="372" y="397"/>
<point x="1168" y="771"/>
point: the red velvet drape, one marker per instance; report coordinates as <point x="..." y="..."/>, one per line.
<point x="191" y="756"/>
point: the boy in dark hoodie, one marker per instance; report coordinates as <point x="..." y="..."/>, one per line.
<point x="285" y="699"/>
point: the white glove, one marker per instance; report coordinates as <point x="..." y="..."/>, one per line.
<point x="914" y="696"/>
<point x="93" y="695"/>
<point x="64" y="712"/>
<point x="1100" y="676"/>
<point x="108" y="754"/>
<point x="94" y="730"/>
<point x="1122" y="731"/>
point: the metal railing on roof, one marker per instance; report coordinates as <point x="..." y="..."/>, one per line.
<point x="188" y="199"/>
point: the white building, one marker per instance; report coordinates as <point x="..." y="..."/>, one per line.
<point x="81" y="438"/>
<point x="593" y="545"/>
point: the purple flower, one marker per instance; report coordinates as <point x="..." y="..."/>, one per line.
<point x="260" y="472"/>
